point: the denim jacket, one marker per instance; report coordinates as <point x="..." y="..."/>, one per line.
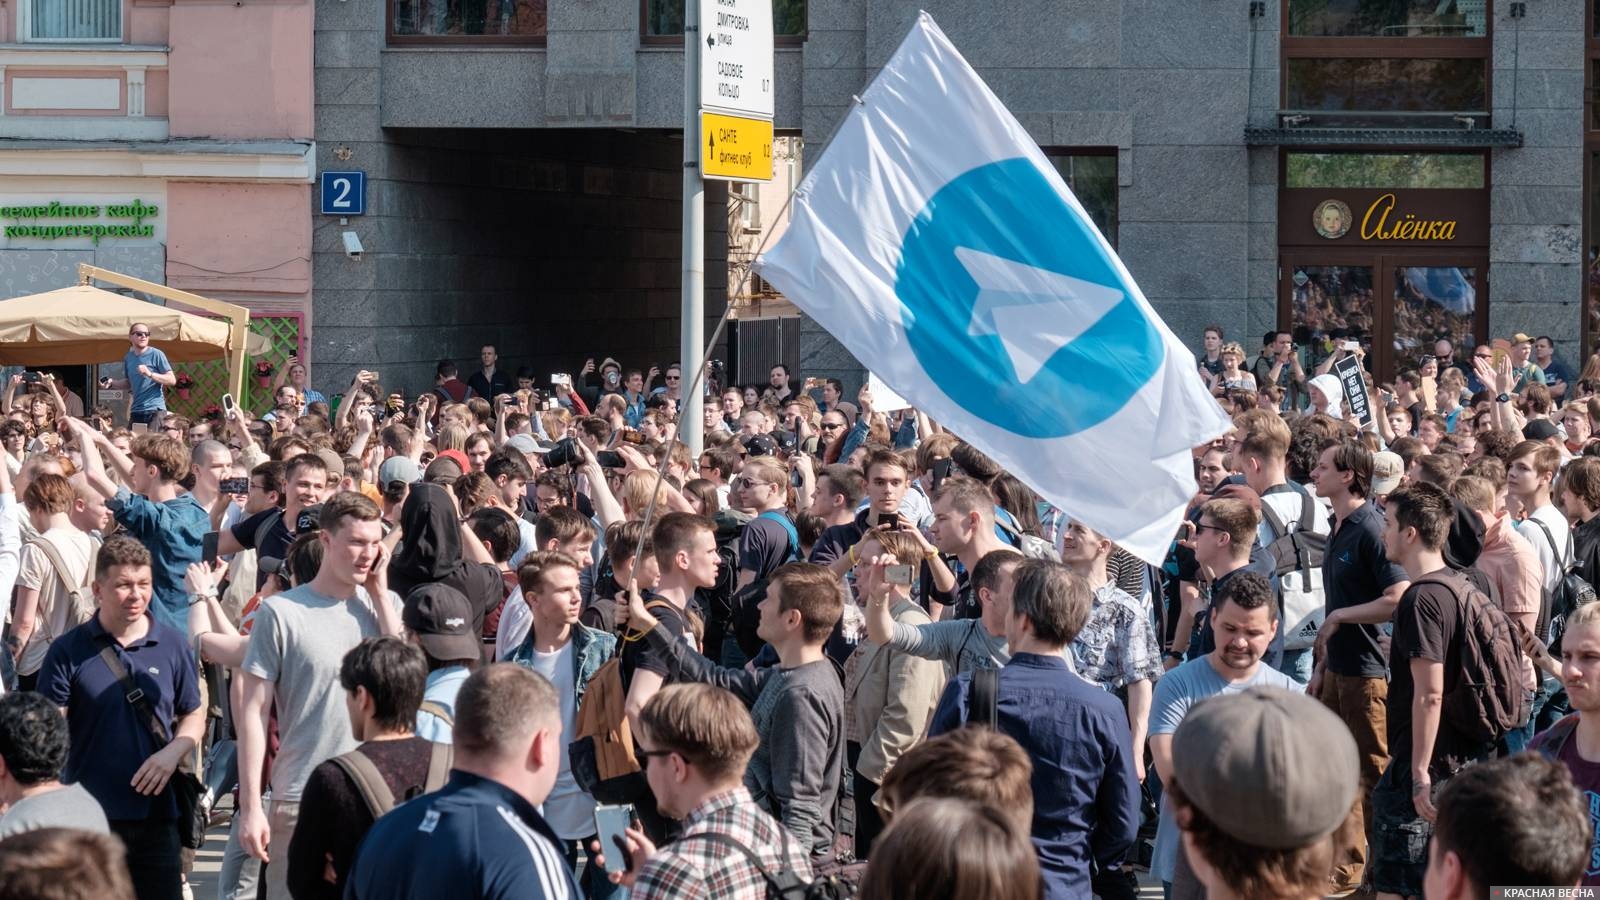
<point x="590" y="650"/>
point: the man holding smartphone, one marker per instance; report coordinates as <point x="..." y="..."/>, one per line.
<point x="145" y="372"/>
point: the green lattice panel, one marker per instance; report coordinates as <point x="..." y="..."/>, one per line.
<point x="211" y="377"/>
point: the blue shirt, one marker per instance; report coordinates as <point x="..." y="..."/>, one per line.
<point x="473" y="839"/>
<point x="147" y="393"/>
<point x="442" y="687"/>
<point x="110" y="741"/>
<point x="173" y="532"/>
<point x="1085" y="793"/>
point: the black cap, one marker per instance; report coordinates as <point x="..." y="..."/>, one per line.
<point x="1540" y="430"/>
<point x="441" y="618"/>
<point x="760" y="445"/>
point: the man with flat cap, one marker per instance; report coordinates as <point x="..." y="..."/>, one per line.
<point x="1261" y="782"/>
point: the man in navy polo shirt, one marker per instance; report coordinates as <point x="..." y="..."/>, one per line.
<point x="481" y="835"/>
<point x="113" y="754"/>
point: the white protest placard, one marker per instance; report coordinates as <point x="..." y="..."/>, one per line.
<point x="736" y="64"/>
<point x="884" y="398"/>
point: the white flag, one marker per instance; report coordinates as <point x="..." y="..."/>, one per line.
<point x="937" y="242"/>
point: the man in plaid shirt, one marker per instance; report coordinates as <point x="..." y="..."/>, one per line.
<point x="695" y="741"/>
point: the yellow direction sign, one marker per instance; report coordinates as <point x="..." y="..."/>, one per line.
<point x="734" y="148"/>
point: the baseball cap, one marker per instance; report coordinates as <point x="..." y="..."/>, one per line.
<point x="441" y="618"/>
<point x="1540" y="430"/>
<point x="1271" y="768"/>
<point x="335" y="464"/>
<point x="760" y="445"/>
<point x="1521" y="338"/>
<point x="1387" y="470"/>
<point x="787" y="441"/>
<point x="457" y="457"/>
<point x="403" y="469"/>
<point x="525" y="443"/>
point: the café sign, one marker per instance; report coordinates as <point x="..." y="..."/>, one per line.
<point x="1379" y="217"/>
<point x="1384" y="223"/>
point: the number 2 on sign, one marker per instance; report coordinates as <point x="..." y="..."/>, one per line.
<point x="342" y="199"/>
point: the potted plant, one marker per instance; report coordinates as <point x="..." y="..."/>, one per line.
<point x="212" y="413"/>
<point x="264" y="372"/>
<point x="183" y="385"/>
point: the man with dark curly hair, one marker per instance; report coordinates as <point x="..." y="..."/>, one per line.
<point x="33" y="751"/>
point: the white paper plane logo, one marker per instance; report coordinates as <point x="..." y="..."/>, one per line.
<point x="1035" y="312"/>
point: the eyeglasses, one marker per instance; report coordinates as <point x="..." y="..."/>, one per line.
<point x="832" y="426"/>
<point x="138" y="334"/>
<point x="1199" y="527"/>
<point x="673" y="378"/>
<point x="645" y="755"/>
<point x="748" y="483"/>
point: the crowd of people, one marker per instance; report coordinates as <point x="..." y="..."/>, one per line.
<point x="501" y="639"/>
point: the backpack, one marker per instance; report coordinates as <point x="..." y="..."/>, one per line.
<point x="1297" y="565"/>
<point x="80" y="598"/>
<point x="983" y="698"/>
<point x="375" y="791"/>
<point x="785" y="883"/>
<point x="438" y="711"/>
<point x="1029" y="545"/>
<point x="1487" y="700"/>
<point x="601" y="753"/>
<point x="1570" y="592"/>
<point x="746" y="617"/>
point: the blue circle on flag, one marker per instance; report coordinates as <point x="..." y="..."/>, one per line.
<point x="1049" y="344"/>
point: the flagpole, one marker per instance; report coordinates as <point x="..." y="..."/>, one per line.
<point x="693" y="315"/>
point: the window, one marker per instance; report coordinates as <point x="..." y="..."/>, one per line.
<point x="467" y="21"/>
<point x="72" y="20"/>
<point x="1388" y="171"/>
<point x="662" y="20"/>
<point x="1390" y="64"/>
<point x="1395" y="18"/>
<point x="1092" y="175"/>
<point x="1591" y="217"/>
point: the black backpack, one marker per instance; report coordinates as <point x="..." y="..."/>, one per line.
<point x="1487" y="700"/>
<point x="1570" y="593"/>
<point x="746" y="616"/>
<point x="786" y="884"/>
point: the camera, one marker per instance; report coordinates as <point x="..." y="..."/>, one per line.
<point x="565" y="453"/>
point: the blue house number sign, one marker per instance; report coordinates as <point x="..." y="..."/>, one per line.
<point x="344" y="193"/>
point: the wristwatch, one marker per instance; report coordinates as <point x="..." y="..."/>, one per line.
<point x="1503" y="398"/>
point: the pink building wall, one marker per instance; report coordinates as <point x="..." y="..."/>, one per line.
<point x="241" y="71"/>
<point x="240" y="238"/>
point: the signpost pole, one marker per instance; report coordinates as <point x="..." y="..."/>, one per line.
<point x="692" y="341"/>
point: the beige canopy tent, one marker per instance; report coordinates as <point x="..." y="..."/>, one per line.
<point x="84" y="325"/>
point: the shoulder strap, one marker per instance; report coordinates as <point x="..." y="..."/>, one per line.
<point x="433" y="708"/>
<point x="750" y="855"/>
<point x="985" y="697"/>
<point x="51" y="553"/>
<point x="1556" y="736"/>
<point x="1308" y="507"/>
<point x="440" y="758"/>
<point x="1561" y="561"/>
<point x="1279" y="529"/>
<point x="772" y="515"/>
<point x="369" y="783"/>
<point x="266" y="526"/>
<point x="133" y="693"/>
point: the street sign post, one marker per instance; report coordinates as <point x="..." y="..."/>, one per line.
<point x="735" y="148"/>
<point x="736" y="64"/>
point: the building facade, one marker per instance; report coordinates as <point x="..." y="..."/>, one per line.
<point x="169" y="140"/>
<point x="1316" y="165"/>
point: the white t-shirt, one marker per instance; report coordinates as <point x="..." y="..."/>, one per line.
<point x="52" y="618"/>
<point x="515" y="621"/>
<point x="1552" y="559"/>
<point x="568" y="809"/>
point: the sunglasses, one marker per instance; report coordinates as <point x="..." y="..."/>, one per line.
<point x="832" y="426"/>
<point x="673" y="378"/>
<point x="138" y="334"/>
<point x="748" y="483"/>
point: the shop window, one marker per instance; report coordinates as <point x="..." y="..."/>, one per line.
<point x="1391" y="171"/>
<point x="71" y="20"/>
<point x="1092" y="175"/>
<point x="663" y="20"/>
<point x="1591" y="281"/>
<point x="467" y="21"/>
<point x="1394" y="19"/>
<point x="1387" y="87"/>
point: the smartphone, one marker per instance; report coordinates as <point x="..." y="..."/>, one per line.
<point x="897" y="574"/>
<point x="105" y="382"/>
<point x="561" y="379"/>
<point x="32" y="377"/>
<point x="1350" y="346"/>
<point x="889" y="520"/>
<point x="240" y="485"/>
<point x="139" y="428"/>
<point x="229" y="405"/>
<point x="795" y="478"/>
<point x="609" y="824"/>
<point x="208" y="548"/>
<point x="941" y="470"/>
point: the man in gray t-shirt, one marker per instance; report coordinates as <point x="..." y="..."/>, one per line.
<point x="33" y="751"/>
<point x="1244" y="619"/>
<point x="296" y="645"/>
